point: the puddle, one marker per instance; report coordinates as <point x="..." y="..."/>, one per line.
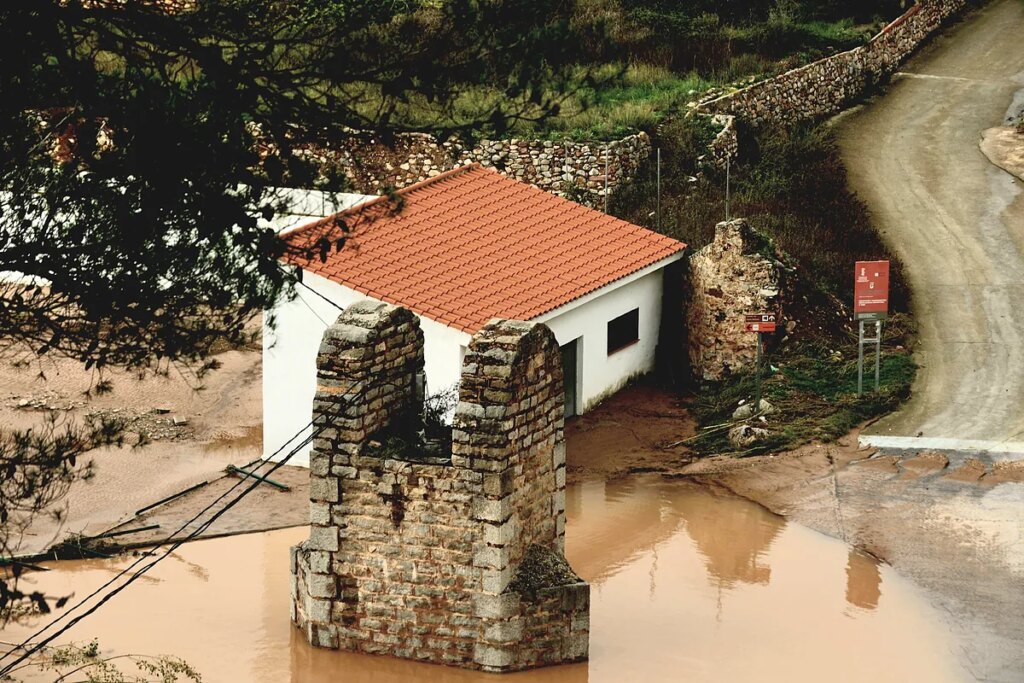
<point x="250" y="441"/>
<point x="687" y="584"/>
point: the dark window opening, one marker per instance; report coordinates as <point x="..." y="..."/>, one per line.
<point x="623" y="331"/>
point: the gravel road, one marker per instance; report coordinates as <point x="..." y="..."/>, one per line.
<point x="957" y="221"/>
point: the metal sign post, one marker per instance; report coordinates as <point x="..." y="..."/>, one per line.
<point x="870" y="304"/>
<point x="757" y="376"/>
<point x="759" y="323"/>
<point x="877" y="341"/>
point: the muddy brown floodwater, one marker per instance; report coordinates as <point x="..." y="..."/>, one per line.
<point x="687" y="584"/>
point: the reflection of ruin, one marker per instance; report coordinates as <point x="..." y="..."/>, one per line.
<point x="863" y="580"/>
<point x="614" y="522"/>
<point x="733" y="539"/>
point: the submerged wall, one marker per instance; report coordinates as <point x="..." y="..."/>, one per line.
<point x="452" y="558"/>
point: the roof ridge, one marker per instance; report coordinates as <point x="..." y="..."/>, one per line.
<point x="444" y="175"/>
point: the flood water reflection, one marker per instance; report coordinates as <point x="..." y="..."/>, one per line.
<point x="687" y="584"/>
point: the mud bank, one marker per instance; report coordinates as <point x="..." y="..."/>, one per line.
<point x="194" y="430"/>
<point x="688" y="583"/>
<point x="1004" y="147"/>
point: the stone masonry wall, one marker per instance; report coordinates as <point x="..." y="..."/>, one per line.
<point x="559" y="166"/>
<point x="417" y="557"/>
<point x="824" y="87"/>
<point x="728" y="279"/>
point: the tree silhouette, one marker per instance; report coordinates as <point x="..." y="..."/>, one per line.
<point x="134" y="183"/>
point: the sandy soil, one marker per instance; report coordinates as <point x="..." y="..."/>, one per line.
<point x="956" y="221"/>
<point x="640" y="429"/>
<point x="220" y="424"/>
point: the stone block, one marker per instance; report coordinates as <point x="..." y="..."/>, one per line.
<point x="500" y="534"/>
<point x="577" y="646"/>
<point x="498" y="484"/>
<point x="492" y="510"/>
<point x="491" y="558"/>
<point x="320" y="513"/>
<point x="504" y="631"/>
<point x="492" y="657"/>
<point x="497" y="580"/>
<point x="323" y="489"/>
<point x="322" y="585"/>
<point x="318" y="611"/>
<point x="323" y="538"/>
<point x="501" y="606"/>
<point x="558" y="456"/>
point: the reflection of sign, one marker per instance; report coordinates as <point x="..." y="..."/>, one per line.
<point x="871" y="290"/>
<point x="760" y="322"/>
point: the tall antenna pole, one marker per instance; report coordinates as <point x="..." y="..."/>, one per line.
<point x="659" y="189"/>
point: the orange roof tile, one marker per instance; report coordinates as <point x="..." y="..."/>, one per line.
<point x="471" y="244"/>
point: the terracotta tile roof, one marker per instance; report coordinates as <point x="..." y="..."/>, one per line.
<point x="471" y="244"/>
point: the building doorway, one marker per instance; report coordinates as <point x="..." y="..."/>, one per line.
<point x="570" y="376"/>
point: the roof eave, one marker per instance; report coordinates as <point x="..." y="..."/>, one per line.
<point x="610" y="287"/>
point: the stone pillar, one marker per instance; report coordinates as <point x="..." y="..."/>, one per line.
<point x="734" y="275"/>
<point x="509" y="426"/>
<point x="366" y="376"/>
<point x="432" y="558"/>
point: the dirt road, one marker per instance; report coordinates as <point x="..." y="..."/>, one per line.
<point x="957" y="221"/>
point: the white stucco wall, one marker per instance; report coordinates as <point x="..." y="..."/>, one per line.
<point x="289" y="359"/>
<point x="586" y="320"/>
<point x="301" y="207"/>
<point x="290" y="348"/>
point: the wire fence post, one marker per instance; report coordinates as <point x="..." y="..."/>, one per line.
<point x="659" y="191"/>
<point x="728" y="171"/>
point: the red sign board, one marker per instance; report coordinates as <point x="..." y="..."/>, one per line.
<point x="871" y="290"/>
<point x="760" y="322"/>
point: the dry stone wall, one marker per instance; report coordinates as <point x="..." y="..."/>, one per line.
<point x="824" y="87"/>
<point x="727" y="279"/>
<point x="434" y="558"/>
<point x="559" y="166"/>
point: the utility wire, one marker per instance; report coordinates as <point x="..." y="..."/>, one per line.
<point x="131" y="579"/>
<point x="127" y="569"/>
<point x="336" y="305"/>
<point x="29" y="651"/>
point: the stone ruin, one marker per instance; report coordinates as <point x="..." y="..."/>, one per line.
<point x="452" y="559"/>
<point x="734" y="275"/>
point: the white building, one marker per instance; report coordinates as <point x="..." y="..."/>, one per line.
<point x="460" y="249"/>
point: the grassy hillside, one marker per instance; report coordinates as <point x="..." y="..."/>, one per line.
<point x="640" y="60"/>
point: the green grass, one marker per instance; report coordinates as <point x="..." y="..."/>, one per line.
<point x="608" y="102"/>
<point x="814" y="391"/>
<point x="637" y="90"/>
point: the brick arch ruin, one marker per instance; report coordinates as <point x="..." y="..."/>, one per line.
<point x="453" y="559"/>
